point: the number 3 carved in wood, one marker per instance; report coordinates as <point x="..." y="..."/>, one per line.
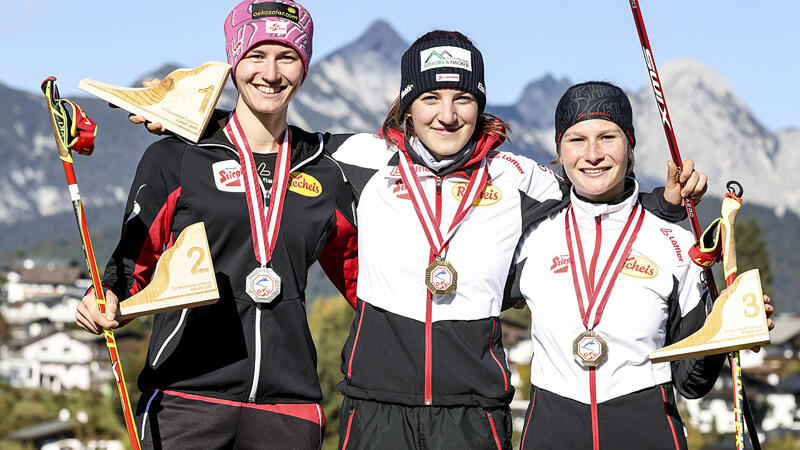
<point x="751" y="304"/>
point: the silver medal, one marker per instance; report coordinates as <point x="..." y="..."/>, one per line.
<point x="263" y="285"/>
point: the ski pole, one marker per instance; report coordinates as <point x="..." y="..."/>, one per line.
<point x="74" y="131"/>
<point x="666" y="121"/>
<point x="730" y="208"/>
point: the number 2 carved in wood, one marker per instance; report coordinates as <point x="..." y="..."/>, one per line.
<point x="201" y="256"/>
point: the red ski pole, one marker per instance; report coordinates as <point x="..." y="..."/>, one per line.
<point x="740" y="397"/>
<point x="73" y="130"/>
<point x="666" y="121"/>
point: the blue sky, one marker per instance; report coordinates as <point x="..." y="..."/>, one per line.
<point x="754" y="45"/>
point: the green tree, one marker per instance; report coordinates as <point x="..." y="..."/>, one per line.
<point x="521" y="316"/>
<point x="329" y="322"/>
<point x="752" y="253"/>
<point x="5" y="329"/>
<point x="21" y="408"/>
<point x="786" y="442"/>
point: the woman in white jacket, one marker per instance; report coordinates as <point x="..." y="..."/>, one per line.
<point x="608" y="282"/>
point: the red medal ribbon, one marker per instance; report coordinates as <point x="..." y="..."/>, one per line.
<point x="602" y="288"/>
<point x="263" y="224"/>
<point x="437" y="241"/>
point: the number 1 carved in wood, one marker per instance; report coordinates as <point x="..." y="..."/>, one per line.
<point x="207" y="91"/>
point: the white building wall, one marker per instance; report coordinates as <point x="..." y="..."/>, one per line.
<point x="55" y="363"/>
<point x="782" y="412"/>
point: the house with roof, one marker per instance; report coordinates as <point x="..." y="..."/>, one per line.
<point x="54" y="361"/>
<point x="31" y="280"/>
<point x="40" y="298"/>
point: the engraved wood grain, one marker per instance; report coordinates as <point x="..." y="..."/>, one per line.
<point x="737" y="321"/>
<point x="730" y="208"/>
<point x="183" y="101"/>
<point x="184" y="277"/>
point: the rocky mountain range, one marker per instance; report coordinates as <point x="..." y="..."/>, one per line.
<point x="350" y="90"/>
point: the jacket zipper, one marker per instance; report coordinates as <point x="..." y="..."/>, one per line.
<point x="494" y="430"/>
<point x="592" y="370"/>
<point x="598" y="235"/>
<point x="355" y="343"/>
<point x="257" y="362"/>
<point x="429" y="311"/>
<point x="349" y="426"/>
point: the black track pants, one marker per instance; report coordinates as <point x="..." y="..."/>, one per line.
<point x="372" y="425"/>
<point x="175" y="420"/>
<point x="646" y="419"/>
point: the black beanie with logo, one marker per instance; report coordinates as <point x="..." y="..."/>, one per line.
<point x="441" y="64"/>
<point x="594" y="100"/>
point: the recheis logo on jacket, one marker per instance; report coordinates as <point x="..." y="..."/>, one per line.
<point x="560" y="264"/>
<point x="304" y="184"/>
<point x="639" y="267"/>
<point x="228" y="176"/>
<point x="489" y="196"/>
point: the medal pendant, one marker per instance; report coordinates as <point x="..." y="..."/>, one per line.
<point x="263" y="285"/>
<point x="440" y="277"/>
<point x="589" y="349"/>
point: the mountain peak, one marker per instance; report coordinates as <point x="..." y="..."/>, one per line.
<point x="688" y="74"/>
<point x="541" y="95"/>
<point x="546" y="83"/>
<point x="381" y="28"/>
<point x="379" y="38"/>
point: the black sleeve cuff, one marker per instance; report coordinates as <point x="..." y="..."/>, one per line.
<point x="658" y="205"/>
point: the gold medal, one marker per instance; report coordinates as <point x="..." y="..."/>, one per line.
<point x="440" y="277"/>
<point x="589" y="349"/>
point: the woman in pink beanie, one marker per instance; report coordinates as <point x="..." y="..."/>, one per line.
<point x="240" y="373"/>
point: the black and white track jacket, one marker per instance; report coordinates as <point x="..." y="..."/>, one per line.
<point x="658" y="299"/>
<point x="235" y="349"/>
<point x="404" y="346"/>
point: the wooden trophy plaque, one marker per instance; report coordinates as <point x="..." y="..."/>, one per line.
<point x="183" y="101"/>
<point x="184" y="277"/>
<point x="737" y="321"/>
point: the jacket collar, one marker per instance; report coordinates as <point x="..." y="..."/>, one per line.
<point x="485" y="143"/>
<point x="305" y="146"/>
<point x="613" y="214"/>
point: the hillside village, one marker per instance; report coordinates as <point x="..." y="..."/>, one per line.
<point x="42" y="349"/>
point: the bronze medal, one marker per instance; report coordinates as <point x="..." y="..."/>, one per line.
<point x="440" y="277"/>
<point x="589" y="349"/>
<point x="263" y="285"/>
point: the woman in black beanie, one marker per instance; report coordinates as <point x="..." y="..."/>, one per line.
<point x="621" y="286"/>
